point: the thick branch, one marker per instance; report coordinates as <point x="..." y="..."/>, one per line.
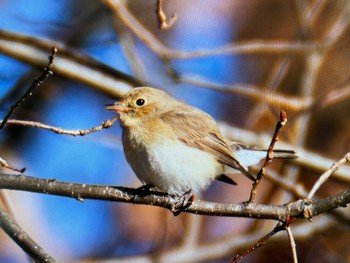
<point x="17" y="234"/>
<point x="69" y="63"/>
<point x="128" y="195"/>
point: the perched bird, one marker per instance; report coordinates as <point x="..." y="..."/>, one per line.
<point x="177" y="148"/>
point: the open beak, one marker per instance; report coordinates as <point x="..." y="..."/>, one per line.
<point x="118" y="107"/>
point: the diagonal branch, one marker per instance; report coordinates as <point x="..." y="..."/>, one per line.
<point x="261" y="242"/>
<point x="255" y="46"/>
<point x="70" y="63"/>
<point x="280" y="226"/>
<point x="22" y="239"/>
<point x="269" y="156"/>
<point x="323" y="178"/>
<point x="47" y="71"/>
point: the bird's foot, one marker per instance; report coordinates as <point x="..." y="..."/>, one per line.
<point x="181" y="203"/>
<point x="144" y="189"/>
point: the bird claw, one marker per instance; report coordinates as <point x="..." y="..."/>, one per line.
<point x="144" y="189"/>
<point x="181" y="203"/>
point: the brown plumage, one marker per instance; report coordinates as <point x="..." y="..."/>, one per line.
<point x="171" y="145"/>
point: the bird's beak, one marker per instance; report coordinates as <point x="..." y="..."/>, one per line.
<point x="118" y="107"/>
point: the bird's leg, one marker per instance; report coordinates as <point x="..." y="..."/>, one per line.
<point x="144" y="189"/>
<point x="181" y="203"/>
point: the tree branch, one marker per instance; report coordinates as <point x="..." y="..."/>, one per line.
<point x="269" y="155"/>
<point x="69" y="63"/>
<point x="46" y="72"/>
<point x="323" y="178"/>
<point x="256" y="46"/>
<point x="104" y="125"/>
<point x="129" y="195"/>
<point x="259" y="243"/>
<point x="292" y="244"/>
<point x="22" y="239"/>
<point x="164" y="23"/>
<point x="5" y="164"/>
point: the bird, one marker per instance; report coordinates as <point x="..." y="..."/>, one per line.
<point x="176" y="148"/>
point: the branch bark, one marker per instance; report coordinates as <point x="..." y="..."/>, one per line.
<point x="298" y="209"/>
<point x="17" y="234"/>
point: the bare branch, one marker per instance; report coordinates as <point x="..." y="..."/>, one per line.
<point x="47" y="71"/>
<point x="104" y="125"/>
<point x="70" y="63"/>
<point x="5" y="164"/>
<point x="261" y="242"/>
<point x="164" y="24"/>
<point x="128" y="195"/>
<point x="324" y="177"/>
<point x="206" y="250"/>
<point x="22" y="239"/>
<point x="308" y="159"/>
<point x="249" y="47"/>
<point x="269" y="156"/>
<point x="292" y="244"/>
<point x="280" y="226"/>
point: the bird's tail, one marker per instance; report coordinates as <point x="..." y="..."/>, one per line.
<point x="248" y="156"/>
<point x="284" y="154"/>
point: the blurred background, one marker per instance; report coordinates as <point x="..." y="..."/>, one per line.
<point x="240" y="61"/>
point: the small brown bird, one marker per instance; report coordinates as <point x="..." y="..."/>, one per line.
<point x="178" y="148"/>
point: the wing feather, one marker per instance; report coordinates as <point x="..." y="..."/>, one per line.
<point x="199" y="130"/>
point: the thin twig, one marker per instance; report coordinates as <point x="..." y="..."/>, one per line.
<point x="255" y="46"/>
<point x="22" y="239"/>
<point x="164" y="24"/>
<point x="224" y="246"/>
<point x="269" y="156"/>
<point x="47" y="71"/>
<point x="5" y="164"/>
<point x="104" y="125"/>
<point x="324" y="177"/>
<point x="292" y="244"/>
<point x="307" y="158"/>
<point x="280" y="226"/>
<point x="314" y="61"/>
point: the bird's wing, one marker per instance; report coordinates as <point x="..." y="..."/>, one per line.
<point x="197" y="129"/>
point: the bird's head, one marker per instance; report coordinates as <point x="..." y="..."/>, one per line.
<point x="139" y="104"/>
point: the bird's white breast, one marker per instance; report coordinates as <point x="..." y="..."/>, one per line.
<point x="173" y="167"/>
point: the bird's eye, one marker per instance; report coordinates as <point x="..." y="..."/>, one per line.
<point x="140" y="102"/>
